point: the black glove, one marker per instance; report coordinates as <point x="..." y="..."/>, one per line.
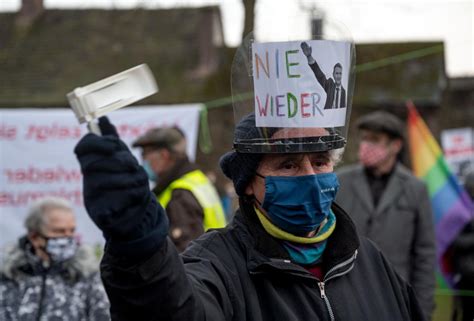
<point x="117" y="196"/>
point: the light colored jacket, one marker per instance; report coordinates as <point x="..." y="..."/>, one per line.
<point x="68" y="291"/>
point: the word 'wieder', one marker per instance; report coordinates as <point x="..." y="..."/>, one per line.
<point x="288" y="105"/>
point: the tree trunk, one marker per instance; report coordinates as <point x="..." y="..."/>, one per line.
<point x="249" y="16"/>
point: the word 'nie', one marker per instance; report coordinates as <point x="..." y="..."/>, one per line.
<point x="264" y="64"/>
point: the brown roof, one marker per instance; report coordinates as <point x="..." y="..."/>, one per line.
<point x="64" y="49"/>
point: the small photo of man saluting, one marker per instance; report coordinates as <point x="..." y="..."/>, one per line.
<point x="336" y="94"/>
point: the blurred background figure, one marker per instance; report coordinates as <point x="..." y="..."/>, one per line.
<point x="463" y="263"/>
<point x="389" y="205"/>
<point x="227" y="195"/>
<point x="190" y="199"/>
<point x="48" y="275"/>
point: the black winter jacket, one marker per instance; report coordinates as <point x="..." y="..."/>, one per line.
<point x="242" y="273"/>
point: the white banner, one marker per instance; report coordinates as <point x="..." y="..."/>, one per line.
<point x="301" y="84"/>
<point x="37" y="158"/>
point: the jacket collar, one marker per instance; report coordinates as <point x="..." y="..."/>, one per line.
<point x="20" y="261"/>
<point x="392" y="190"/>
<point x="265" y="253"/>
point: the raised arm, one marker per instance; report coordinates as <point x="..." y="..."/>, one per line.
<point x="307" y="51"/>
<point x="143" y="274"/>
<point x="117" y="195"/>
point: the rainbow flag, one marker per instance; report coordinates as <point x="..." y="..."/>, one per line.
<point x="452" y="206"/>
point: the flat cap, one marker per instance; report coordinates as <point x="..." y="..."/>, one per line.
<point x="384" y="122"/>
<point x="162" y="137"/>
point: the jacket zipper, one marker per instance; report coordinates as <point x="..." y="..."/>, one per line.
<point x="41" y="299"/>
<point x="326" y="300"/>
<point x="322" y="284"/>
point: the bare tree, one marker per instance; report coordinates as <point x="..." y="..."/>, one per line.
<point x="249" y="16"/>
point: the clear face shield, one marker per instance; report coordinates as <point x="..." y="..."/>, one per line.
<point x="299" y="92"/>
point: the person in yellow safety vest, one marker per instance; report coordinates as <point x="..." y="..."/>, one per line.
<point x="191" y="201"/>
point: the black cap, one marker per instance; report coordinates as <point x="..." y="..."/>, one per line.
<point x="382" y="122"/>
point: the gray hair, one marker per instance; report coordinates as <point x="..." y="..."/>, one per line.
<point x="37" y="218"/>
<point x="335" y="155"/>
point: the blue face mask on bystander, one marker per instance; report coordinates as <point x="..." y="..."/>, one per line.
<point x="298" y="204"/>
<point x="149" y="172"/>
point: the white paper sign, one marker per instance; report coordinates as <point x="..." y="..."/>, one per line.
<point x="301" y="88"/>
<point x="458" y="148"/>
<point x="37" y="158"/>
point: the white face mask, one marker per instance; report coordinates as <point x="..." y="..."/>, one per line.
<point x="61" y="249"/>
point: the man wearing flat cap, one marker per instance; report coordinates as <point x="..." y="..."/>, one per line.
<point x="190" y="199"/>
<point x="389" y="205"/>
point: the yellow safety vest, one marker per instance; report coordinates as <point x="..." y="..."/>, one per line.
<point x="198" y="184"/>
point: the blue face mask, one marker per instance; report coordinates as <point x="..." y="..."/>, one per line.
<point x="298" y="204"/>
<point x="149" y="172"/>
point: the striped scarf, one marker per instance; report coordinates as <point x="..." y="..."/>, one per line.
<point x="302" y="250"/>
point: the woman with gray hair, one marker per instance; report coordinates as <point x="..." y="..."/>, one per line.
<point x="48" y="273"/>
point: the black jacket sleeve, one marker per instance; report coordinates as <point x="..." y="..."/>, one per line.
<point x="406" y="296"/>
<point x="163" y="288"/>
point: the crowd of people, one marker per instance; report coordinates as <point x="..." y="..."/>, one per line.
<point x="308" y="240"/>
<point x="263" y="262"/>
